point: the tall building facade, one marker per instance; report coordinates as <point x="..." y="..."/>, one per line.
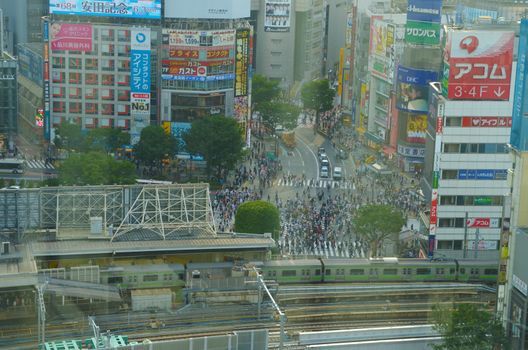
<point x="467" y="160"/>
<point x="289" y="39"/>
<point x="8" y="102"/>
<point x="23" y="23"/>
<point x="101" y="66"/>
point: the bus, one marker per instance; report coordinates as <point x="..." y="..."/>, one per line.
<point x="12" y="166"/>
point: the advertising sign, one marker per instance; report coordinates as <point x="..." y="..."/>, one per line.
<point x="30" y="65"/>
<point x="482" y="174"/>
<point x="45" y="55"/>
<point x="424" y="10"/>
<point x="416" y="128"/>
<point x="439" y="115"/>
<point x="422" y="33"/>
<point x="208" y="9"/>
<point x="413" y="89"/>
<point x="241" y="108"/>
<point x="519" y="131"/>
<point x="229" y="76"/>
<point x="482" y="223"/>
<point x="140" y="71"/>
<point x="483" y="245"/>
<point x="192" y="38"/>
<point x="39" y="118"/>
<point x="277" y="16"/>
<point x="241" y="62"/>
<point x="381" y="62"/>
<point x="479" y="64"/>
<point x="487" y="122"/>
<point x="71" y="37"/>
<point x="146" y="9"/>
<point x="411" y="151"/>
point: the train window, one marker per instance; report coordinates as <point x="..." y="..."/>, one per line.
<point x="462" y="270"/>
<point x="423" y="271"/>
<point x="390" y="271"/>
<point x="340" y="272"/>
<point x="440" y="271"/>
<point x="407" y="271"/>
<point x="491" y="271"/>
<point x="357" y="271"/>
<point x="328" y="272"/>
<point x="289" y="273"/>
<point x="112" y="280"/>
<point x="474" y="271"/>
<point x="150" y="278"/>
<point x="129" y="278"/>
<point x="451" y="271"/>
<point x="307" y="272"/>
<point x="180" y="276"/>
<point x="373" y="271"/>
<point x="318" y="272"/>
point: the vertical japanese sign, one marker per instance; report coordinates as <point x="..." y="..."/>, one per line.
<point x="519" y="131"/>
<point x="433" y="219"/>
<point x="140" y="71"/>
<point x="241" y="62"/>
<point x="45" y="54"/>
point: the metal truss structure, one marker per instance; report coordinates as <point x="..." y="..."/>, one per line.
<point x="135" y="212"/>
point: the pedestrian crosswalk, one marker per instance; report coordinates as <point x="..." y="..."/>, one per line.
<point x="341" y="250"/>
<point x="344" y="185"/>
<point x="38" y="164"/>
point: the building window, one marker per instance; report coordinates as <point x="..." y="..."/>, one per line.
<point x="123" y="95"/>
<point x="453" y="121"/>
<point x="90" y="94"/>
<point x="449" y="174"/>
<point x="91" y="108"/>
<point x="150" y="278"/>
<point x="75" y="92"/>
<point x="58" y="62"/>
<point x="90" y="63"/>
<point x="91" y="79"/>
<point x="75" y="78"/>
<point x="75" y="107"/>
<point x="108" y="109"/>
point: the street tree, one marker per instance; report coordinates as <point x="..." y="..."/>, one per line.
<point x="469" y="327"/>
<point x="155" y="145"/>
<point x="219" y="140"/>
<point x="258" y="217"/>
<point x="263" y="90"/>
<point x="317" y="96"/>
<point x="279" y="113"/>
<point x="95" y="168"/>
<point x="68" y="136"/>
<point x="376" y="223"/>
<point x="105" y="140"/>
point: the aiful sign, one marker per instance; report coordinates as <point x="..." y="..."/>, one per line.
<point x="7" y="76"/>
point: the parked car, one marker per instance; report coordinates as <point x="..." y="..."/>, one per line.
<point x="325" y="172"/>
<point x="338" y="173"/>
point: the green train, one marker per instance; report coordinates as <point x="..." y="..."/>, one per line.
<point x="305" y="271"/>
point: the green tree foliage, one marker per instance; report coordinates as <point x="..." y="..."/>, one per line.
<point x="275" y="113"/>
<point x="375" y="223"/>
<point x="218" y="139"/>
<point x="469" y="327"/>
<point x="154" y="145"/>
<point x="318" y="96"/>
<point x="95" y="168"/>
<point x="263" y="90"/>
<point x="258" y="217"/>
<point x="105" y="140"/>
<point x="69" y="136"/>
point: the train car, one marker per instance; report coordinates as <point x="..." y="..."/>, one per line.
<point x="293" y="271"/>
<point x="478" y="271"/>
<point x="145" y="276"/>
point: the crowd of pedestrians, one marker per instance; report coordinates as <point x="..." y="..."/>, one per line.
<point x="225" y="204"/>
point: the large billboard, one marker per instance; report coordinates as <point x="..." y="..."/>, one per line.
<point x="381" y="59"/>
<point x="71" y="37"/>
<point x="416" y="128"/>
<point x="478" y="65"/>
<point x="201" y="38"/>
<point x="140" y="71"/>
<point x="413" y="89"/>
<point x="519" y="131"/>
<point x="242" y="62"/>
<point x="277" y="16"/>
<point x="424" y="10"/>
<point x="146" y="9"/>
<point x="46" y="75"/>
<point x="208" y="9"/>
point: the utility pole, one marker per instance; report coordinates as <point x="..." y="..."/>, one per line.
<point x="477" y="234"/>
<point x="41" y="316"/>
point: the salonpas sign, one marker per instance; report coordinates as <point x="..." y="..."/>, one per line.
<point x="422" y="33"/>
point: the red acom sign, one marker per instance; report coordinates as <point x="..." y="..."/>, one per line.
<point x="480" y="65"/>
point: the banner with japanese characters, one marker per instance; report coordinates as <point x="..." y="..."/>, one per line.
<point x="140" y="71"/>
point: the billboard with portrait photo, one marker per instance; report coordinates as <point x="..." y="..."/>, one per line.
<point x="416" y="128"/>
<point x="277" y="16"/>
<point x="70" y="37"/>
<point x="413" y="89"/>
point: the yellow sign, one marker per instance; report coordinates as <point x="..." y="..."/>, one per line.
<point x="166" y="127"/>
<point x="340" y="76"/>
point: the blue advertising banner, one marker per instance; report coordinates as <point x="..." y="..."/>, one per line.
<point x="519" y="131"/>
<point x="413" y="89"/>
<point x="229" y="76"/>
<point x="482" y="174"/>
<point x="150" y="9"/>
<point x="30" y="65"/>
<point x="140" y="73"/>
<point x="424" y="10"/>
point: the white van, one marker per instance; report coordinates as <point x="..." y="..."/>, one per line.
<point x="338" y="173"/>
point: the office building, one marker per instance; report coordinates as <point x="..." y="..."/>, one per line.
<point x="23" y="21"/>
<point x="8" y="102"/>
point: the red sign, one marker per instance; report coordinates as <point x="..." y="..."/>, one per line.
<point x="487" y="122"/>
<point x="178" y="53"/>
<point x="483" y="222"/>
<point x="480" y="65"/>
<point x="434" y="208"/>
<point x="71" y="37"/>
<point x="439" y="125"/>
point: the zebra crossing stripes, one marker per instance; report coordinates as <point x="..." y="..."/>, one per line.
<point x="345" y="185"/>
<point x="38" y="164"/>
